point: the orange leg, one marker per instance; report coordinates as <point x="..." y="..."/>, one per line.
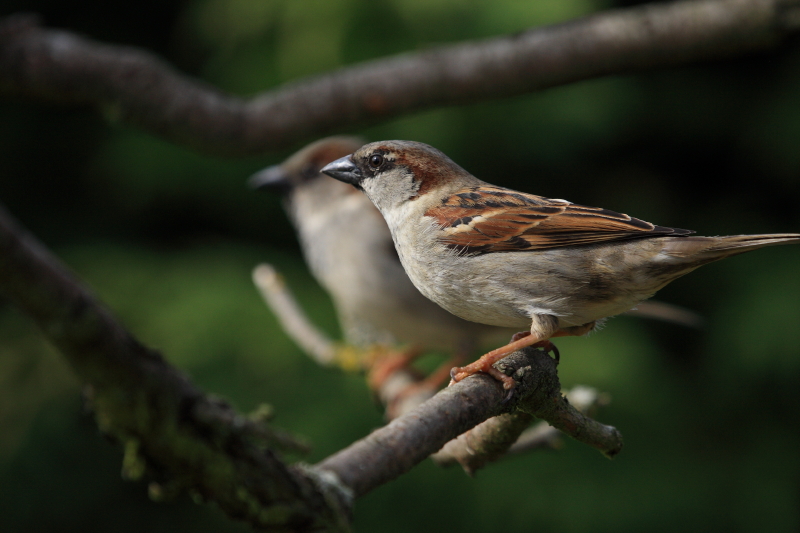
<point x="484" y="364"/>
<point x="519" y="335"/>
<point x="518" y="341"/>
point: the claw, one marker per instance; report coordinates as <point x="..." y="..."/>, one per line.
<point x="453" y="380"/>
<point x="548" y="347"/>
<point x="556" y="353"/>
<point x="508" y="396"/>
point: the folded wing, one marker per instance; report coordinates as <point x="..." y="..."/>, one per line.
<point x="479" y="220"/>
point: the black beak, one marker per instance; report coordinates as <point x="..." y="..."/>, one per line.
<point x="343" y="169"/>
<point x="271" y="177"/>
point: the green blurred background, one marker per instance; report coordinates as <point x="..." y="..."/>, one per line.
<point x="167" y="238"/>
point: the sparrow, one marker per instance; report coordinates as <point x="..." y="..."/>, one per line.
<point x="506" y="258"/>
<point x="350" y="252"/>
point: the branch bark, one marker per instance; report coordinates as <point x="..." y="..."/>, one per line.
<point x="509" y="434"/>
<point x="187" y="440"/>
<point x="486" y="442"/>
<point x="395" y="448"/>
<point x="140" y="89"/>
<point x="543" y="435"/>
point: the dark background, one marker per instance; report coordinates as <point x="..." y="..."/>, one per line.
<point x="167" y="238"/>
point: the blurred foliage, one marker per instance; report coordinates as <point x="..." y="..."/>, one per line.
<point x="167" y="238"/>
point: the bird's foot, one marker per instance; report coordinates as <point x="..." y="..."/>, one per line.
<point x="457" y="373"/>
<point x="484" y="364"/>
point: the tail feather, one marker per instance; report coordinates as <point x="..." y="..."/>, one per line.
<point x="718" y="247"/>
<point x="752" y="242"/>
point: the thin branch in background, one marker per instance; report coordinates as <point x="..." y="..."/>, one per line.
<point x="140" y="89"/>
<point x="312" y="341"/>
<point x="397" y="386"/>
<point x="294" y="321"/>
<point x="673" y="314"/>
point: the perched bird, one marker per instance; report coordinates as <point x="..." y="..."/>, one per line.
<point x="496" y="256"/>
<point x="349" y="250"/>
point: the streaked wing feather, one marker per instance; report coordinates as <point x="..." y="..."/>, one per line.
<point x="481" y="220"/>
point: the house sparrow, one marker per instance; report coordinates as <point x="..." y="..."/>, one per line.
<point x="505" y="258"/>
<point x="350" y="252"/>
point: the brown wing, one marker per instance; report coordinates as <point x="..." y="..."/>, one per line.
<point x="481" y="220"/>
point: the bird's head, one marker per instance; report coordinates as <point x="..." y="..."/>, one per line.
<point x="394" y="172"/>
<point x="304" y="165"/>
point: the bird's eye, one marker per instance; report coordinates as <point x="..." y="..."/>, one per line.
<point x="375" y="160"/>
<point x="309" y="171"/>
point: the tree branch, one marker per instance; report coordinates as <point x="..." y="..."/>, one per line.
<point x="169" y="427"/>
<point x="395" y="448"/>
<point x="409" y="439"/>
<point x="189" y="441"/>
<point x="140" y="89"/>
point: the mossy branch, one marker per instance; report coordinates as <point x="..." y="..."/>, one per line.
<point x="182" y="437"/>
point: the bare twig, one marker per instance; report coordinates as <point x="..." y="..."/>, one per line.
<point x="397" y="386"/>
<point x="560" y="414"/>
<point x="503" y="435"/>
<point x="543" y="435"/>
<point x="138" y="88"/>
<point x="311" y="340"/>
